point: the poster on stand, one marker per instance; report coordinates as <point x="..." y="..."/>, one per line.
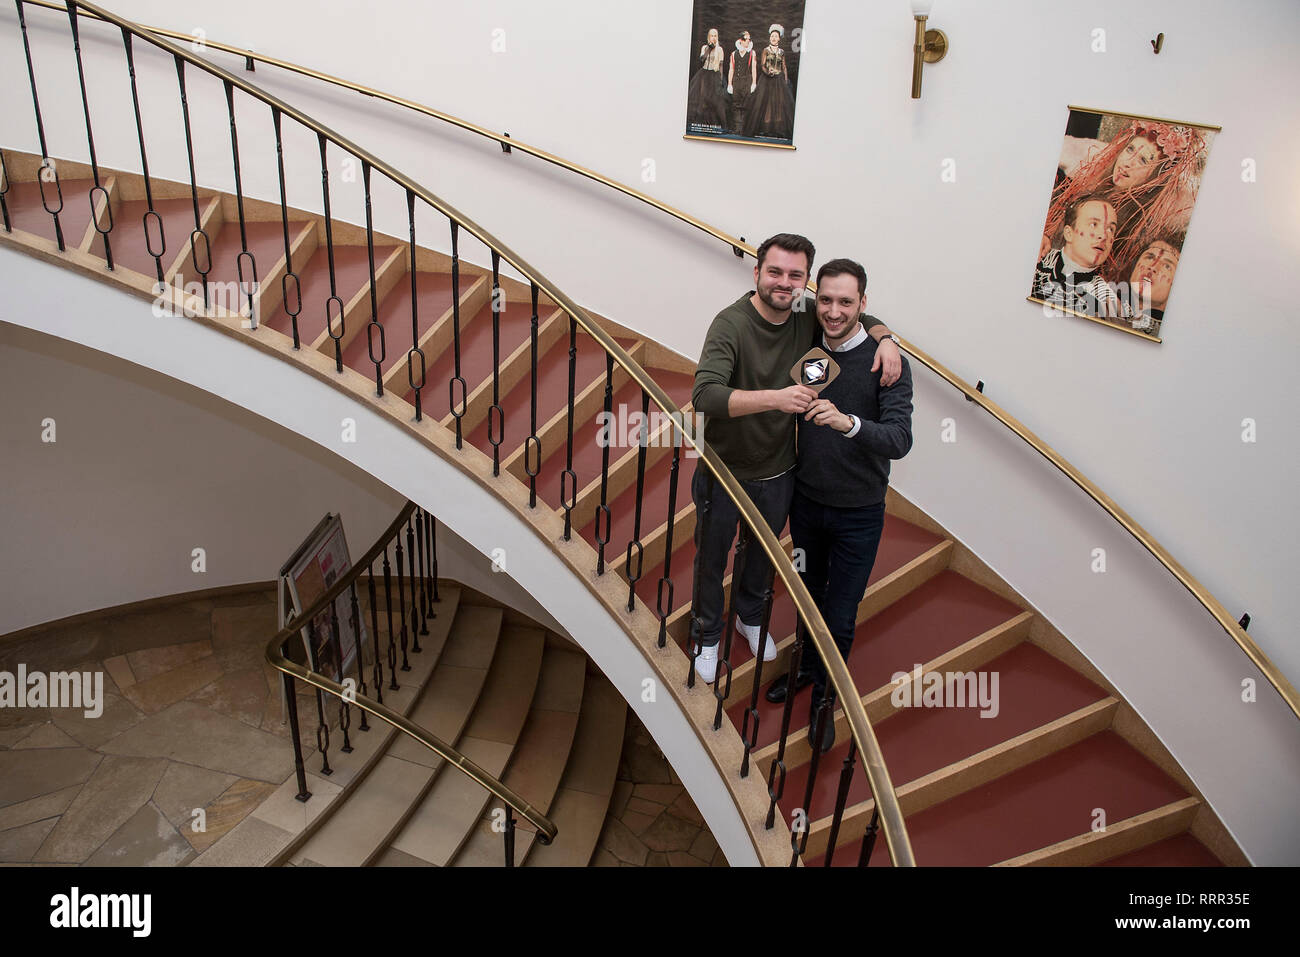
<point x="743" y="73"/>
<point x="1122" y="198"/>
<point x="315" y="566"/>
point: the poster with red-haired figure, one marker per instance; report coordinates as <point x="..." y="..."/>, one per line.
<point x="1121" y="202"/>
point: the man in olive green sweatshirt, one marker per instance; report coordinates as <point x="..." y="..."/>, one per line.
<point x="744" y="390"/>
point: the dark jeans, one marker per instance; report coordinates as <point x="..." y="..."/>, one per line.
<point x="716" y="518"/>
<point x="839" y="547"/>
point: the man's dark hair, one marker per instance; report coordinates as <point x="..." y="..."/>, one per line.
<point x="840" y="267"/>
<point x="790" y="242"/>
<point x="1072" y="211"/>
<point x="1169" y="239"/>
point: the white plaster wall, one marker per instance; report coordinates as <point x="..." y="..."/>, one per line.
<point x="90" y="523"/>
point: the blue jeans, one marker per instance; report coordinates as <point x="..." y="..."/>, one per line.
<point x="716" y="518"/>
<point x="839" y="548"/>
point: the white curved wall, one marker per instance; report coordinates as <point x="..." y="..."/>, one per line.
<point x="90" y="523"/>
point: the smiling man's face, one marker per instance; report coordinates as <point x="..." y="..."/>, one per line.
<point x="838" y="306"/>
<point x="781" y="277"/>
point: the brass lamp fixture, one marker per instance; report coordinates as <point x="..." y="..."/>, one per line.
<point x="930" y="45"/>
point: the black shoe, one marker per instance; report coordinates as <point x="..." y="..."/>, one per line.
<point x="776" y="691"/>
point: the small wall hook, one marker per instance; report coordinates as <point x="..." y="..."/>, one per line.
<point x="1158" y="42"/>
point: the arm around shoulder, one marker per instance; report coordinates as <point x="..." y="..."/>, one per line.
<point x="891" y="434"/>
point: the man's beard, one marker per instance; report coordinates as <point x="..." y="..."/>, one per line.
<point x="766" y="296"/>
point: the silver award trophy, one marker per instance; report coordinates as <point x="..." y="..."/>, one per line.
<point x="815" y="369"/>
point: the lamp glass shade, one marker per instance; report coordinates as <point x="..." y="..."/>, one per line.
<point x="921" y="8"/>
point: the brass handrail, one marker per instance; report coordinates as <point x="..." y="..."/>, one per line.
<point x="1144" y="538"/>
<point x="882" y="789"/>
<point x="546" y="829"/>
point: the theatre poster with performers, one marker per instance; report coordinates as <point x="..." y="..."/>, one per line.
<point x="743" y="75"/>
<point x="1122" y="198"/>
<point x="317" y="565"/>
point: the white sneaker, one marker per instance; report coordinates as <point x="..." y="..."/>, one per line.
<point x="706" y="665"/>
<point x="751" y="635"/>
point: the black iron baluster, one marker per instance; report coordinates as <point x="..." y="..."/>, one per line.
<point x="424" y="578"/>
<point x="776" y="773"/>
<point x="841" y="798"/>
<point x="664" y="606"/>
<point x="643" y="440"/>
<point x="374" y="636"/>
<point x="869" y="838"/>
<point x="245" y="257"/>
<point x="602" y="535"/>
<point x="569" y="478"/>
<point x="415" y="317"/>
<point x="4" y="188"/>
<point x="97" y="191"/>
<point x="388" y="607"/>
<point x="532" y="444"/>
<point x="291" y="705"/>
<point x="401" y="601"/>
<point x="322" y="733"/>
<point x="288" y="251"/>
<point x="457" y="407"/>
<point x="432" y="527"/>
<point x="415" y="609"/>
<point x="46" y="162"/>
<point x="199" y="231"/>
<point x="824" y="713"/>
<point x="749" y="726"/>
<point x="496" y="414"/>
<point x="151" y="216"/>
<point x="361" y="655"/>
<point x="701" y="531"/>
<point x="345" y="712"/>
<point x="720" y="691"/>
<point x="510" y="835"/>
<point x="374" y="296"/>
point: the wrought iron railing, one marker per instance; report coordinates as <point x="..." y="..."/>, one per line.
<point x="417" y="568"/>
<point x="756" y="540"/>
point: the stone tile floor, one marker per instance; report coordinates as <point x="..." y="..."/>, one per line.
<point x="190" y="742"/>
<point x="652" y="821"/>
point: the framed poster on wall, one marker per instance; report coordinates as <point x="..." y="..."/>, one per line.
<point x="743" y="73"/>
<point x="316" y="565"/>
<point x="1122" y="199"/>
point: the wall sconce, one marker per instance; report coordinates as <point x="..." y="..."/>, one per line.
<point x="930" y="45"/>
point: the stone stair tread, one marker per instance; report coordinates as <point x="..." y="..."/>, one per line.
<point x="447" y="814"/>
<point x="539" y="758"/>
<point x="360" y="825"/>
<point x="582" y="801"/>
<point x="449" y="697"/>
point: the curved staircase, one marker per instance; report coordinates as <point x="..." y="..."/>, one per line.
<point x="1063" y="772"/>
<point x="517" y="701"/>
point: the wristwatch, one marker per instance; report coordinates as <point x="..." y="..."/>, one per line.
<point x="890" y="336"/>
